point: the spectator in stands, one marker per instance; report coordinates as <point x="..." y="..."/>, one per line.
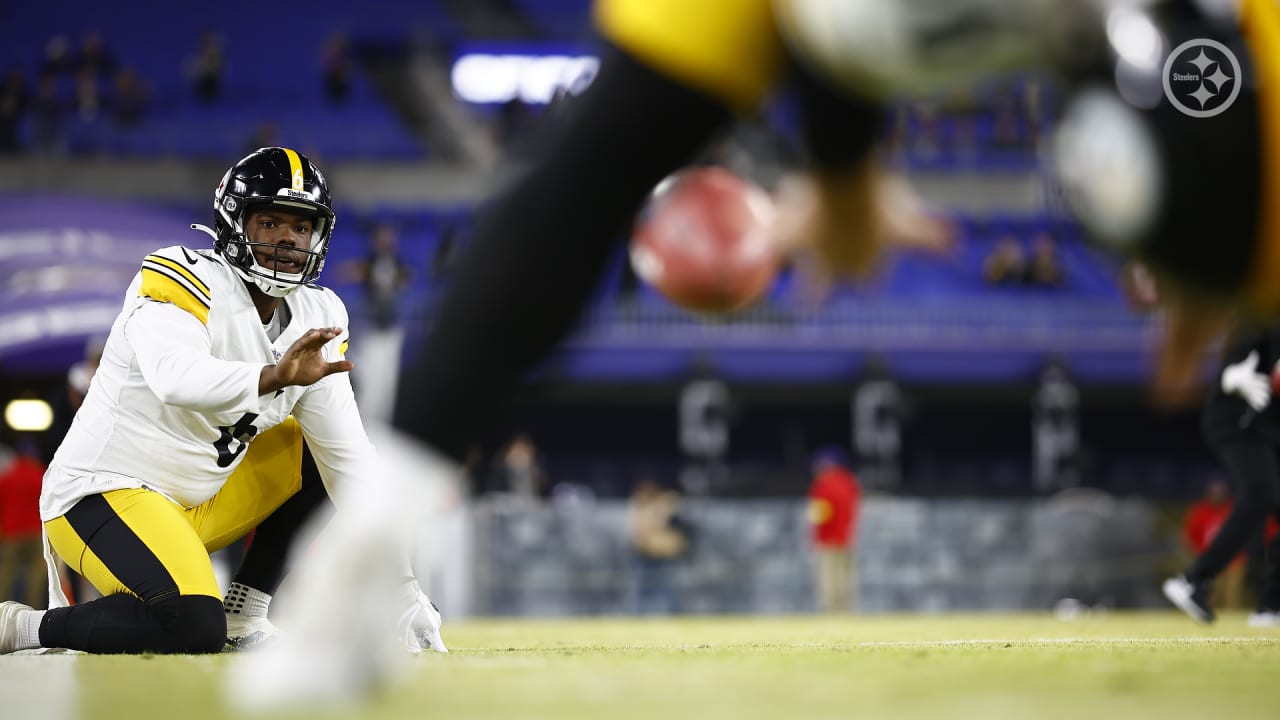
<point x="88" y="101"/>
<point x="205" y="68"/>
<point x="21" y="548"/>
<point x="899" y="130"/>
<point x="928" y="139"/>
<point x="1044" y="268"/>
<point x="13" y="106"/>
<point x="1203" y="520"/>
<point x="835" y="497"/>
<point x="266" y="134"/>
<point x="1006" y="111"/>
<point x="65" y="401"/>
<point x="446" y="252"/>
<point x="57" y="56"/>
<point x="130" y="98"/>
<point x="384" y="275"/>
<point x="335" y="67"/>
<point x="660" y="538"/>
<point x="48" y="117"/>
<point x="519" y="470"/>
<point x="94" y="57"/>
<point x="1006" y="264"/>
<point x="1034" y="108"/>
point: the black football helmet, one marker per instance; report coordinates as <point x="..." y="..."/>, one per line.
<point x="276" y="177"/>
<point x="1160" y="151"/>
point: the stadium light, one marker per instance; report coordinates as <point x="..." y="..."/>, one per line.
<point x="500" y="77"/>
<point x="28" y="415"/>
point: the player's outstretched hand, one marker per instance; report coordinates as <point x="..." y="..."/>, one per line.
<point x="847" y="220"/>
<point x="303" y="363"/>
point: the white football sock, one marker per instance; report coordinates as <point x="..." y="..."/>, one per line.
<point x="244" y="600"/>
<point x="29" y="629"/>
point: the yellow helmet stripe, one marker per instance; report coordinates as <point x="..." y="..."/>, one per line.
<point x="295" y="168"/>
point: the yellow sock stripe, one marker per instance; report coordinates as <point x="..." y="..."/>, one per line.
<point x="165" y="288"/>
<point x="1261" y="24"/>
<point x="165" y="530"/>
<point x="73" y="550"/>
<point x="195" y="281"/>
<point x="295" y="168"/>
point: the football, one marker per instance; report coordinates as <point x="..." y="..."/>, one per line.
<point x="703" y="241"/>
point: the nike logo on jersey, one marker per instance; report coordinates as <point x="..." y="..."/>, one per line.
<point x="190" y="260"/>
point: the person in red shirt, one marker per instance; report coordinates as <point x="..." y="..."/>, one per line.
<point x="1204" y="519"/>
<point x="21" y="550"/>
<point x="834" y="497"/>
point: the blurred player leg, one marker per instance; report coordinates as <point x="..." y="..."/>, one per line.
<point x="549" y="238"/>
<point x="345" y="602"/>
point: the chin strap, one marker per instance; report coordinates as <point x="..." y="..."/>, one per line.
<point x="206" y="230"/>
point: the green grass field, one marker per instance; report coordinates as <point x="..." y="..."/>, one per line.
<point x="1119" y="665"/>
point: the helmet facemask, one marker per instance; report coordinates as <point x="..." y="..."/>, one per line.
<point x="240" y="251"/>
<point x="272" y="179"/>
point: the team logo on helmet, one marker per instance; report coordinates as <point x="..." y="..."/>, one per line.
<point x="1202" y="78"/>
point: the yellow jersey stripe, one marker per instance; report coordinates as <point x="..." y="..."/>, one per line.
<point x="161" y="260"/>
<point x="1260" y="20"/>
<point x="295" y="168"/>
<point x="728" y="49"/>
<point x="170" y="271"/>
<point x="166" y="288"/>
<point x="342" y="349"/>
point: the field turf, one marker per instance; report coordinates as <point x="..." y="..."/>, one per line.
<point x="1117" y="665"/>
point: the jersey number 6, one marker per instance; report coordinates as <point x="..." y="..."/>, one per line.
<point x="235" y="438"/>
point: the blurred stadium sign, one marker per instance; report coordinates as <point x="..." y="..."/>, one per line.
<point x="65" y="262"/>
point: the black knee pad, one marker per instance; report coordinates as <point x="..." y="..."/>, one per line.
<point x="196" y="623"/>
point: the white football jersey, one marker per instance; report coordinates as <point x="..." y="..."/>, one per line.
<point x="175" y="401"/>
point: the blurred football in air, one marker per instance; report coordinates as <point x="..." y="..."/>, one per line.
<point x="703" y="241"/>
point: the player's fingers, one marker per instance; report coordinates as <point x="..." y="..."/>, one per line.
<point x="317" y="337"/>
<point x="337" y="367"/>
